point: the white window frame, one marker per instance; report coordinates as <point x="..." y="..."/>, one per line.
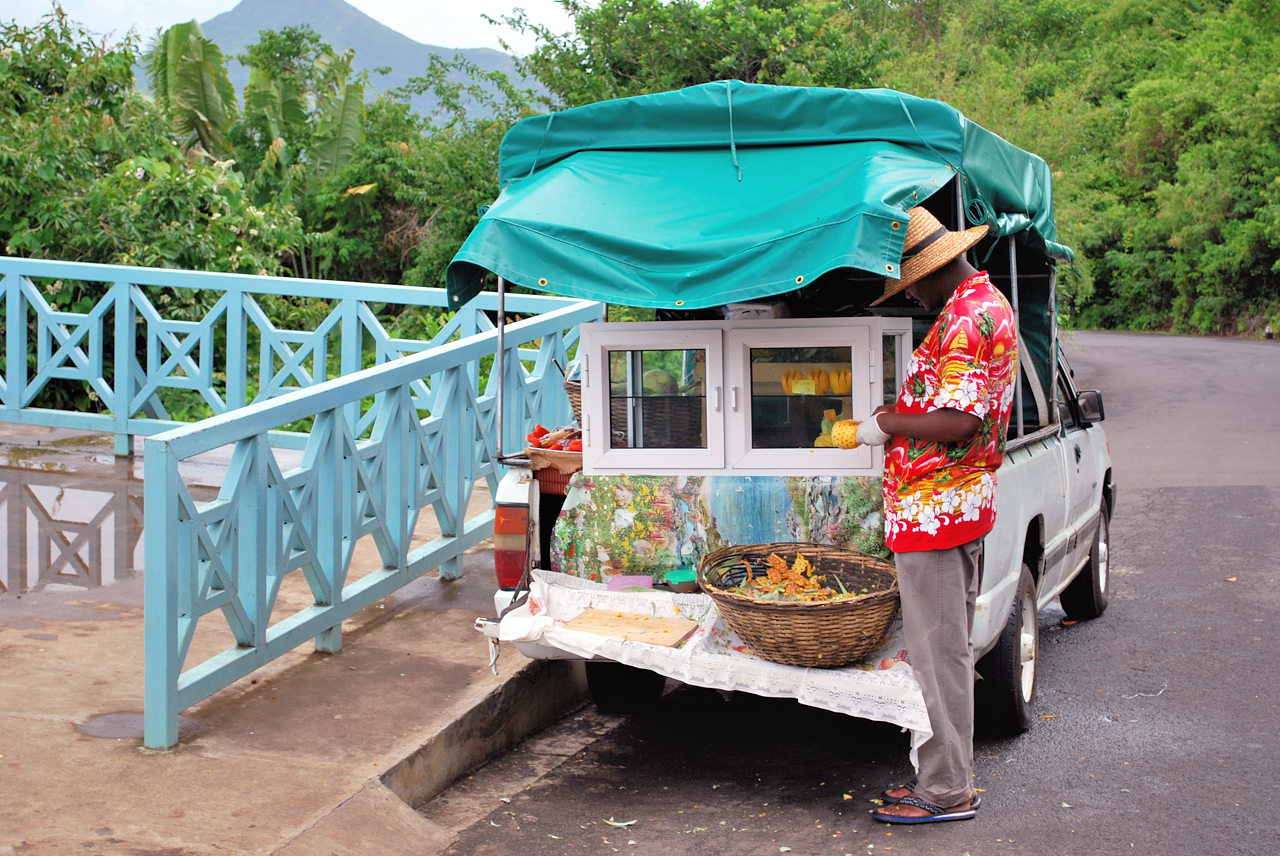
<point x="600" y="338"/>
<point x="728" y="370"/>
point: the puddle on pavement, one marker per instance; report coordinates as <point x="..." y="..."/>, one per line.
<point x="125" y="725"/>
<point x="68" y="531"/>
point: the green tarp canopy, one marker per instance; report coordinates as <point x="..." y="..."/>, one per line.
<point x="732" y="191"/>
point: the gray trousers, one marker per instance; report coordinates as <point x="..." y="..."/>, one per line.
<point x="939" y="588"/>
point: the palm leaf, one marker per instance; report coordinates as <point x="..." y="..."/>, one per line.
<point x="189" y="79"/>
<point x="340" y="130"/>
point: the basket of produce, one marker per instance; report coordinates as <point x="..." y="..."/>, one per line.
<point x="554" y="456"/>
<point x="802" y="604"/>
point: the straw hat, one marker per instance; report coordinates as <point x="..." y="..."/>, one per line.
<point x="928" y="246"/>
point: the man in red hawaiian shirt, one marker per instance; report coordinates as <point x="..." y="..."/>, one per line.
<point x="946" y="438"/>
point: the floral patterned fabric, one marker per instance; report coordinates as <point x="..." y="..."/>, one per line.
<point x="633" y="525"/>
<point x="941" y="495"/>
<point x="649" y="525"/>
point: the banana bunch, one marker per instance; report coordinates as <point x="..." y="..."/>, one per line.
<point x="841" y="381"/>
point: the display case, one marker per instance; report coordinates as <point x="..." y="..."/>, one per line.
<point x="747" y="397"/>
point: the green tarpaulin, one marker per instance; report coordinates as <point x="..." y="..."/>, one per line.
<point x="732" y="191"/>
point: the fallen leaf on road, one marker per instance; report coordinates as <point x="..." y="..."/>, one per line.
<point x="1067" y="623"/>
<point x="981" y="790"/>
<point x="504" y="799"/>
<point x="1230" y="580"/>
<point x="620" y="824"/>
<point x="1050" y="716"/>
<point x="1064" y="805"/>
<point x="877" y="801"/>
<point x="846" y="796"/>
<point x="784" y="849"/>
<point x="556" y="837"/>
<point x="631" y="841"/>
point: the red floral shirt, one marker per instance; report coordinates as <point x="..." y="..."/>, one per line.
<point x="941" y="495"/>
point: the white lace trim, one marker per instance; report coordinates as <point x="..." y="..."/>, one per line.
<point x="715" y="657"/>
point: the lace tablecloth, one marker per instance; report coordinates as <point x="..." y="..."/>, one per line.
<point x="881" y="688"/>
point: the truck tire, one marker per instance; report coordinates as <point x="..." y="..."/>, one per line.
<point x="1003" y="698"/>
<point x="1086" y="596"/>
<point x="618" y="688"/>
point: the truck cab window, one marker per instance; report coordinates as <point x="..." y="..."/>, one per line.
<point x="1066" y="402"/>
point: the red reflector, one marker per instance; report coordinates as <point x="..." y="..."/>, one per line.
<point x="511" y="520"/>
<point x="510" y="544"/>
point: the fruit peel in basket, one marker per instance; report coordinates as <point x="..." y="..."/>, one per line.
<point x="799" y="582"/>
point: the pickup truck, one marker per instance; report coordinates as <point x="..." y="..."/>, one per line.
<point x="789" y="201"/>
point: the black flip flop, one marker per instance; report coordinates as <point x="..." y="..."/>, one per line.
<point x="936" y="813"/>
<point x="888" y="800"/>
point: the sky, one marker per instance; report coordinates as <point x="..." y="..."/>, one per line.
<point x="448" y="23"/>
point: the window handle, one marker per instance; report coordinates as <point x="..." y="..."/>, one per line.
<point x="718" y="399"/>
<point x="733" y="398"/>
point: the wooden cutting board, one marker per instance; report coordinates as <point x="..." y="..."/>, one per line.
<point x="664" y="632"/>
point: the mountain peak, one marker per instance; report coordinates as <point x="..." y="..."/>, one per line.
<point x="344" y="26"/>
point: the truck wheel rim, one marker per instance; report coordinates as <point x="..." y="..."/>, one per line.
<point x="1027" y="647"/>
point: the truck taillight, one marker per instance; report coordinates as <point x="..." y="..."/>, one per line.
<point x="510" y="544"/>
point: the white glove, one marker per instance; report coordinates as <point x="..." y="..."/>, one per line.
<point x="869" y="433"/>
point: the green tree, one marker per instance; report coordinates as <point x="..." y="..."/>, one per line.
<point x="621" y="48"/>
<point x="189" y="80"/>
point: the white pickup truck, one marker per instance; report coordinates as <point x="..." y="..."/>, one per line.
<point x="791" y="201"/>
<point x="1055" y="494"/>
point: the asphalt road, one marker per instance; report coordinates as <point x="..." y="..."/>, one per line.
<point x="1157" y="728"/>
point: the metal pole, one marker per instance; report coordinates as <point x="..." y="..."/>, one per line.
<point x="1017" y="323"/>
<point x="499" y="360"/>
<point x="1053" y="346"/>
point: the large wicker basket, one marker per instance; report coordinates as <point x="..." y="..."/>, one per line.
<point x="799" y="633"/>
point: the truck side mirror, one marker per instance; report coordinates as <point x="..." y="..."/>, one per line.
<point x="1089" y="403"/>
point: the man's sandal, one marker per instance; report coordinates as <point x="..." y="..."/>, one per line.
<point x="936" y="813"/>
<point x="890" y="799"/>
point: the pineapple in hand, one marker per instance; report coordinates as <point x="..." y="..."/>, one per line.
<point x="845" y="433"/>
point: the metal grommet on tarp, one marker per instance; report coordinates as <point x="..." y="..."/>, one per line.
<point x="543" y="282"/>
<point x="896" y="226"/>
<point x="889" y="268"/>
<point x="679" y="303"/>
<point x="799" y="280"/>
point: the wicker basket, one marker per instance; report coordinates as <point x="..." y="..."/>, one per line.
<point x="799" y="633"/>
<point x="574" y="389"/>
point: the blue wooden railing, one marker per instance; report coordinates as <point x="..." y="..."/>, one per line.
<point x="414" y="431"/>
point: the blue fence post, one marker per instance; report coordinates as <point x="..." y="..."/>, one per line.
<point x="237" y="351"/>
<point x="125" y="335"/>
<point x="160" y="597"/>
<point x="250" y="553"/>
<point x="352" y="352"/>
<point x="455" y="445"/>
<point x="334" y="512"/>
<point x="15" y="342"/>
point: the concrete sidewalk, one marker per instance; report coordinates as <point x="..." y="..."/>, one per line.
<point x="318" y="754"/>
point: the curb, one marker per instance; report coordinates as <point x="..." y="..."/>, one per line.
<point x="383" y="811"/>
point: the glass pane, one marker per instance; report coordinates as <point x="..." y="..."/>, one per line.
<point x="889" y="359"/>
<point x="657" y="399"/>
<point x="796" y="395"/>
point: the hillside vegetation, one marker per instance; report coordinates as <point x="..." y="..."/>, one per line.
<point x="1159" y="118"/>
